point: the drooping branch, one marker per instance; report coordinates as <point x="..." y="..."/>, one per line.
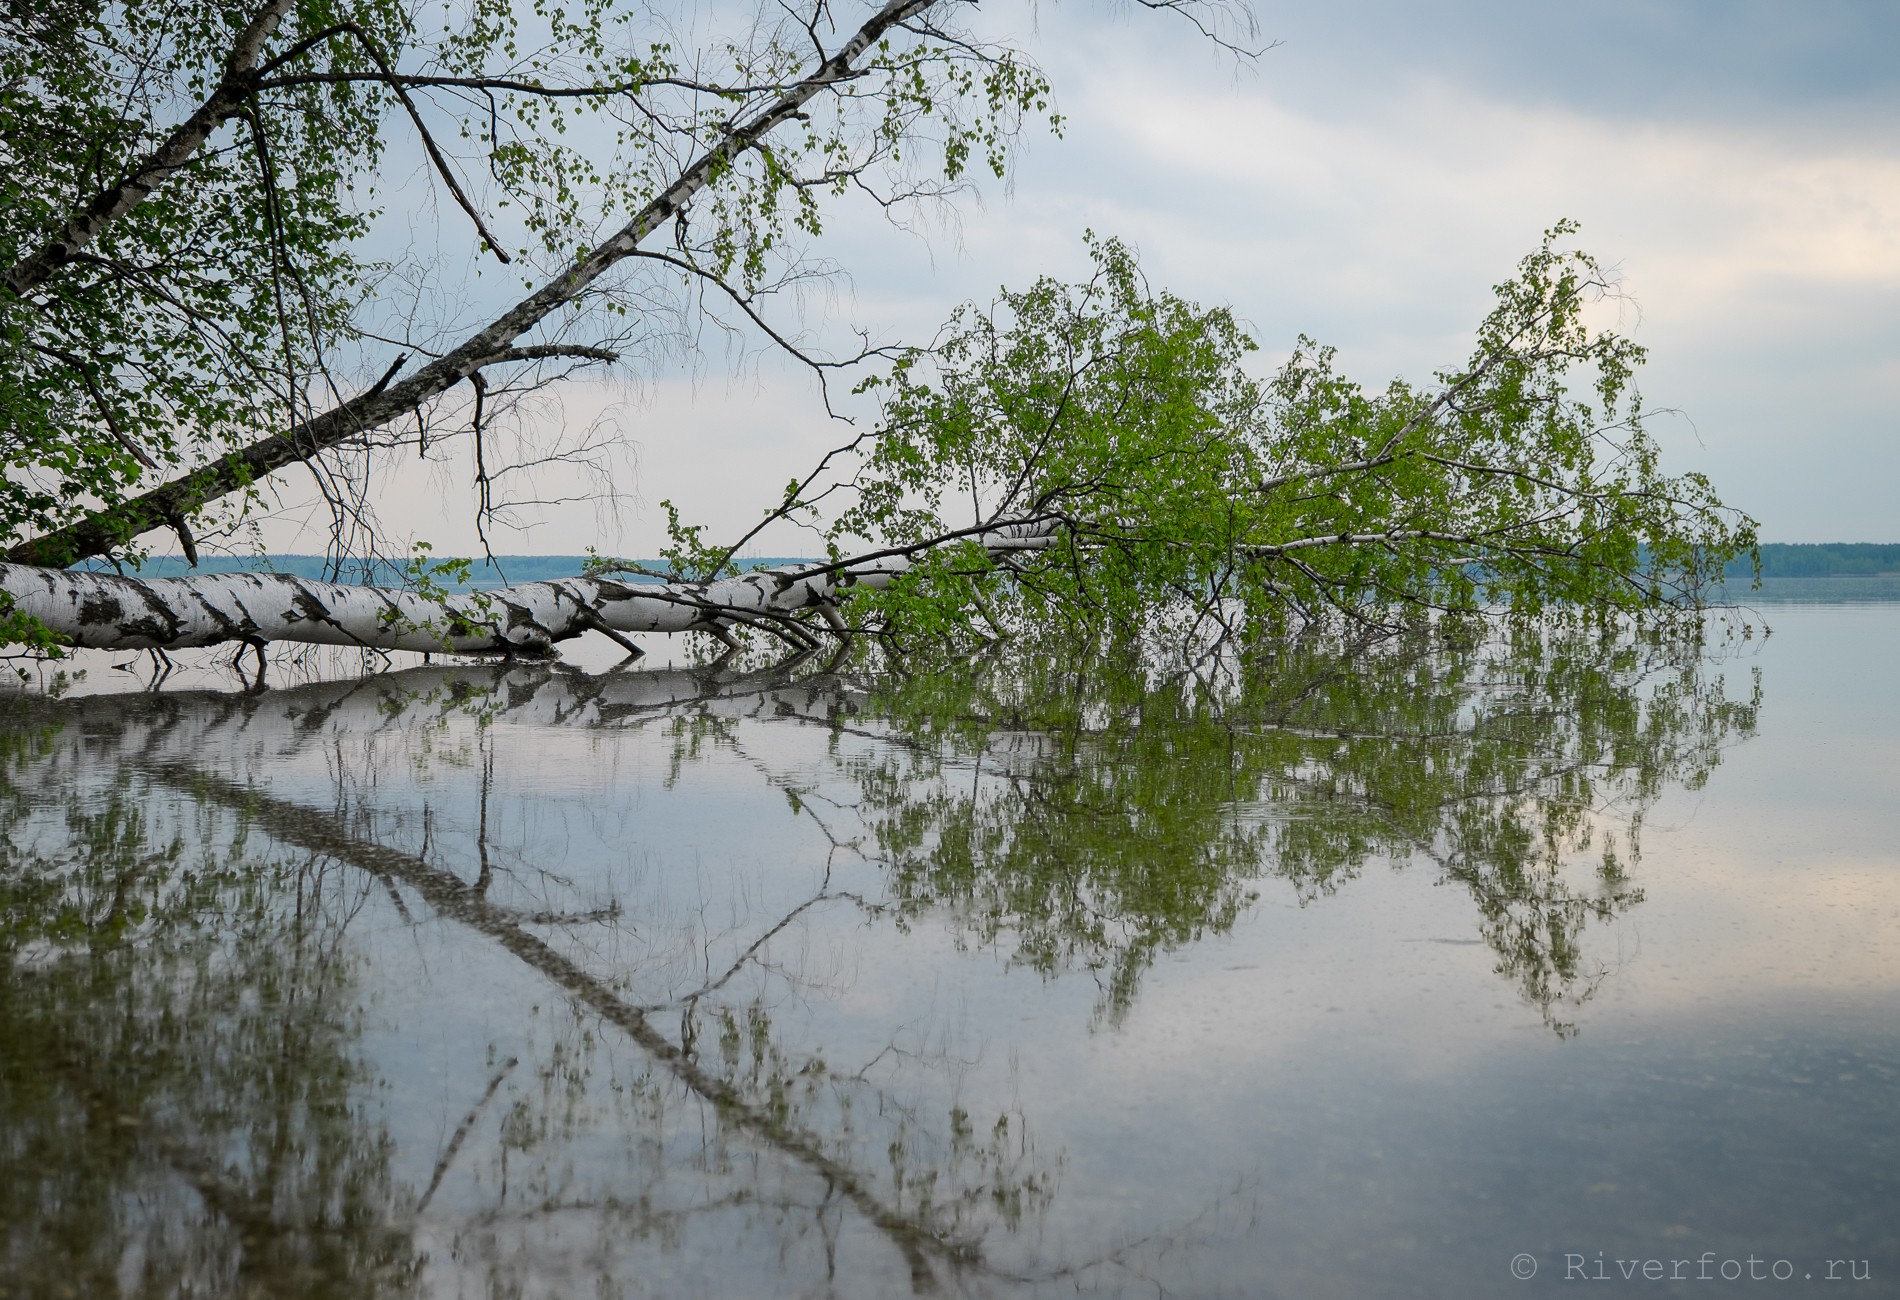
<point x="386" y="76"/>
<point x="100" y="532"/>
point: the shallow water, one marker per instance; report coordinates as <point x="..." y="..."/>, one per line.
<point x="1379" y="974"/>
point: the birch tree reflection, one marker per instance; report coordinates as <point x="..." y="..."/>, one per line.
<point x="731" y="1142"/>
<point x="181" y="1089"/>
<point x="206" y="898"/>
<point x="1090" y="818"/>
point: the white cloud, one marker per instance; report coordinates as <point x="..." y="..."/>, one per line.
<point x="1764" y="265"/>
<point x="1370" y="201"/>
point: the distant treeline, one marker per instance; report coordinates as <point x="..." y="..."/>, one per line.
<point x="1778" y="560"/>
<point x="1822" y="559"/>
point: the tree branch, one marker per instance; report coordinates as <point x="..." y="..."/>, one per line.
<point x="386" y="75"/>
<point x="238" y="84"/>
<point x="99" y="532"/>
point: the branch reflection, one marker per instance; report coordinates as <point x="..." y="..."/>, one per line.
<point x="198" y="894"/>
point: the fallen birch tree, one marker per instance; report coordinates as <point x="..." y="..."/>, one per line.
<point x="112" y="612"/>
<point x="1095" y="462"/>
<point x="1080" y="461"/>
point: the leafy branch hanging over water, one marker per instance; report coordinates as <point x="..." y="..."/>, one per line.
<point x="1095" y="461"/>
<point x="1189" y="498"/>
<point x="190" y="303"/>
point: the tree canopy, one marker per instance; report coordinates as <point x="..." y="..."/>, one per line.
<point x="195" y="301"/>
<point x="1188" y="496"/>
<point x="189" y="186"/>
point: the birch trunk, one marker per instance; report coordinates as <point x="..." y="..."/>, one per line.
<point x="106" y="611"/>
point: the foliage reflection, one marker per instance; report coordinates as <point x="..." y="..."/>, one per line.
<point x="1094" y="817"/>
<point x="192" y="884"/>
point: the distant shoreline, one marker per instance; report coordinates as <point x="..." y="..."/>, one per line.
<point x="1791" y="571"/>
<point x="1827" y="589"/>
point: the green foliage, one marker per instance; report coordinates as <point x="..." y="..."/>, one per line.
<point x="432" y="577"/>
<point x="32" y="637"/>
<point x="437" y="580"/>
<point x="1196" y="501"/>
<point x="238" y="296"/>
<point x="687" y="554"/>
<point x="1103" y="405"/>
<point x="192" y="323"/>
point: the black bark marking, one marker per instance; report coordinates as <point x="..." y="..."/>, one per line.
<point x="163" y="625"/>
<point x="156" y="627"/>
<point x="99" y="609"/>
<point x="230" y="628"/>
<point x="306" y="608"/>
<point x="520" y="617"/>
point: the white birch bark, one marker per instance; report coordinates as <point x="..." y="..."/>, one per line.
<point x="106" y="611"/>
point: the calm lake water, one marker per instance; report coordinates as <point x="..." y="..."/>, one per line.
<point x="1423" y="970"/>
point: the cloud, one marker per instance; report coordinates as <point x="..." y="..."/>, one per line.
<point x="1763" y="264"/>
<point x="1371" y="179"/>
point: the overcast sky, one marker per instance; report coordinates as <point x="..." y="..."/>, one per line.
<point x="1365" y="181"/>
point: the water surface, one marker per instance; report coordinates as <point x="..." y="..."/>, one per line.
<point x="1403" y="970"/>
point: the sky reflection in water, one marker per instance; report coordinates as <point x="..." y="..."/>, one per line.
<point x="1372" y="975"/>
